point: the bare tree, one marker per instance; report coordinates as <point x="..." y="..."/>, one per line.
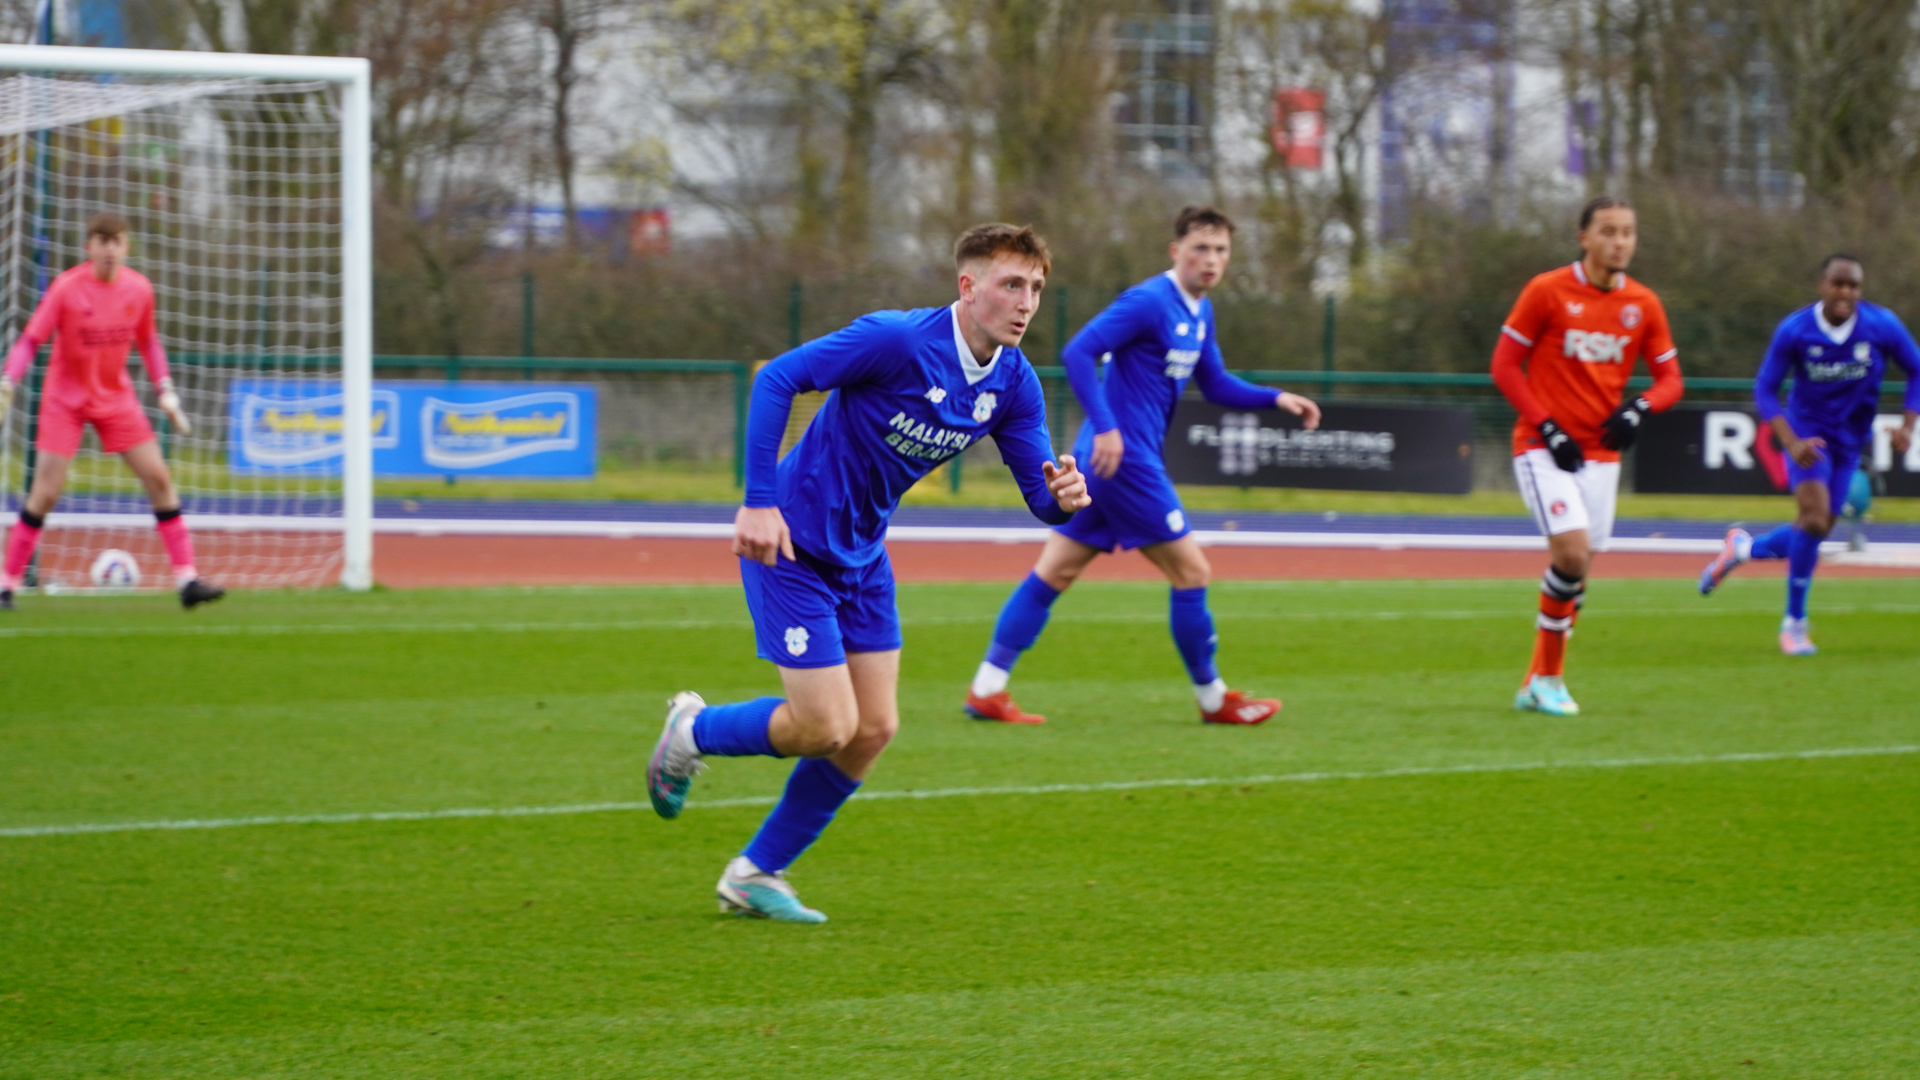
<point x="1336" y="47"/>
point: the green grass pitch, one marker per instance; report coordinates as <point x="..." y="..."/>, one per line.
<point x="1658" y="888"/>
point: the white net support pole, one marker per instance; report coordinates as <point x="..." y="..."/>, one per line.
<point x="248" y="182"/>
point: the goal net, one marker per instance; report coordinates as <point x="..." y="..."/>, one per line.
<point x="235" y="190"/>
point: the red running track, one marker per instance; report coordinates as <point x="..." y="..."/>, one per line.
<point x="411" y="562"/>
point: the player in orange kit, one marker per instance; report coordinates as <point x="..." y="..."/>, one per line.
<point x="1564" y="357"/>
<point x="94" y="313"/>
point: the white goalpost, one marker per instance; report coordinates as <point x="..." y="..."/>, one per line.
<point x="246" y="181"/>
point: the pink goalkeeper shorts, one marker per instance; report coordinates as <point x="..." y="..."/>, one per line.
<point x="122" y="425"/>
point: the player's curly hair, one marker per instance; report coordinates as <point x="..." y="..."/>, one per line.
<point x="1200" y="217"/>
<point x="986" y="242"/>
<point x="106" y="225"/>
<point x="1599" y="203"/>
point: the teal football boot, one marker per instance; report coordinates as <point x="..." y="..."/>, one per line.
<point x="676" y="760"/>
<point x="745" y="889"/>
<point x="1546" y="694"/>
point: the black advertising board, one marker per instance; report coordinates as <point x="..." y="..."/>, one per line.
<point x="1357" y="448"/>
<point x="1726" y="450"/>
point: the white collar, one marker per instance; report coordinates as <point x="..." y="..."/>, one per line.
<point x="1192" y="301"/>
<point x="1580" y="275"/>
<point x="973" y="369"/>
<point x="1837" y="334"/>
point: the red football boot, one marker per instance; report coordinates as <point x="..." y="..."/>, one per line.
<point x="1238" y="708"/>
<point x="999" y="707"/>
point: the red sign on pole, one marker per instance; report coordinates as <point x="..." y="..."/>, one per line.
<point x="1299" y="126"/>
<point x="649" y="232"/>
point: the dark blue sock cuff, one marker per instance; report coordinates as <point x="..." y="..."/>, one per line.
<point x="1038" y="590"/>
<point x="742" y="729"/>
<point x="1002" y="656"/>
<point x="829" y="772"/>
<point x="1189" y="596"/>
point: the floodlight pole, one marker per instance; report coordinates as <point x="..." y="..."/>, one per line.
<point x="355" y="77"/>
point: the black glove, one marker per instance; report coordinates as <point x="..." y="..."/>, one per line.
<point x="1620" y="429"/>
<point x="1566" y="453"/>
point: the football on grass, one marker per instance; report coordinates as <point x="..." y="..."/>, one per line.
<point x="115" y="569"/>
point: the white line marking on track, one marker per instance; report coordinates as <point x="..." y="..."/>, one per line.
<point x="1228" y="615"/>
<point x="965" y="792"/>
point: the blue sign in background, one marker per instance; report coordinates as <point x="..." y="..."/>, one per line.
<point x="419" y="428"/>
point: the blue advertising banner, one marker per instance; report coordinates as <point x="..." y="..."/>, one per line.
<point x="419" y="428"/>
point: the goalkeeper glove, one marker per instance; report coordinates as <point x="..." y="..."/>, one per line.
<point x="170" y="404"/>
<point x="1623" y="426"/>
<point x="1566" y="453"/>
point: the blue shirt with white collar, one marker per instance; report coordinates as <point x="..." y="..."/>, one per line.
<point x="906" y="395"/>
<point x="1159" y="337"/>
<point x="1836" y="372"/>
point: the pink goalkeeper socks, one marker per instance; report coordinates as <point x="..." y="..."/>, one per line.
<point x="20" y="544"/>
<point x="174" y="534"/>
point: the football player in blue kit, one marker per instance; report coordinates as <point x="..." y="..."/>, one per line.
<point x="1837" y="352"/>
<point x="1159" y="334"/>
<point x="908" y="390"/>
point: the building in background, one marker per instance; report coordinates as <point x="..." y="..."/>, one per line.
<point x="1164" y="97"/>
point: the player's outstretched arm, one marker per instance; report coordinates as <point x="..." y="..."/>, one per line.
<point x="27" y="347"/>
<point x="1307" y="409"/>
<point x="154" y="356"/>
<point x="1119" y="324"/>
<point x="1907" y="355"/>
<point x="1052" y="492"/>
<point x="1066" y="484"/>
<point x="1223" y="387"/>
<point x="759" y="529"/>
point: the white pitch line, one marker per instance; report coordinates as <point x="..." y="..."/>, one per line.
<point x="965" y="792"/>
<point x="1442" y="614"/>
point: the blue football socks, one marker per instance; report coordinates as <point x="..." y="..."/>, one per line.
<point x="814" y="794"/>
<point x="1021" y="621"/>
<point x="1774" y="544"/>
<point x="1193" y="633"/>
<point x="742" y="729"/>
<point x="1802" y="555"/>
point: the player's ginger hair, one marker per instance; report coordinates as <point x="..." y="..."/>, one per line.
<point x="106" y="225"/>
<point x="983" y="243"/>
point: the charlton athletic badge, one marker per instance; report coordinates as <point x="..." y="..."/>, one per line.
<point x="1558" y="508"/>
<point x="1630" y="316"/>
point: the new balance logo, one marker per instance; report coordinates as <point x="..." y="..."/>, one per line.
<point x="1595" y="347"/>
<point x="937" y="395"/>
<point x="1575" y="309"/>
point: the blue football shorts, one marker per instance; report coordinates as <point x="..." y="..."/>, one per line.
<point x="1137" y="507"/>
<point x="1834" y="468"/>
<point x="811" y="614"/>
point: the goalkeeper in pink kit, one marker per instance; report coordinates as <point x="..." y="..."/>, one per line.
<point x="94" y="313"/>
